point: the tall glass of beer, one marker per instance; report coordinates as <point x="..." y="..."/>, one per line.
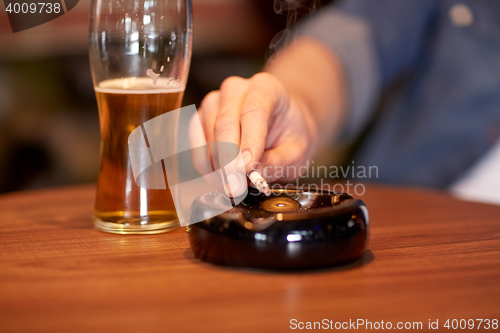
<point x="140" y="52"/>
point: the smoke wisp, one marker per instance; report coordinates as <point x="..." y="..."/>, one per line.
<point x="292" y="8"/>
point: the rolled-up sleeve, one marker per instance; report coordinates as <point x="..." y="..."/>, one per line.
<point x="375" y="41"/>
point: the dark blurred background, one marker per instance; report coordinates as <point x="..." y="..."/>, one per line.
<point x="49" y="125"/>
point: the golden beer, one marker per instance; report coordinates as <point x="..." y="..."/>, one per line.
<point x="121" y="205"/>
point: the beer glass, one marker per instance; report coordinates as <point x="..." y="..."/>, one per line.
<point x="140" y="52"/>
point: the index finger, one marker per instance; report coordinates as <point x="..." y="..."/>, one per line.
<point x="227" y="129"/>
<point x="265" y="99"/>
<point x="227" y="121"/>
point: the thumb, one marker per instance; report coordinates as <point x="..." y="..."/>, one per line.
<point x="285" y="162"/>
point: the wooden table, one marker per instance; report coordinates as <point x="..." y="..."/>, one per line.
<point x="431" y="257"/>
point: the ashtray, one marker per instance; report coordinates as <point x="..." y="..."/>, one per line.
<point x="292" y="229"/>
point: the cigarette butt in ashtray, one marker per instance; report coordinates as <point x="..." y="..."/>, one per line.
<point x="255" y="178"/>
<point x="234" y="169"/>
<point x="259" y="182"/>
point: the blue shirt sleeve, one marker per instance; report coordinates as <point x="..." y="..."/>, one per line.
<point x="398" y="28"/>
<point x="376" y="40"/>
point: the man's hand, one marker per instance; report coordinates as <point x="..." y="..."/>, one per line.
<point x="273" y="130"/>
<point x="278" y="118"/>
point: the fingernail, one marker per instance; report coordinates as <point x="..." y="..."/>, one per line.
<point x="234" y="183"/>
<point x="247" y="156"/>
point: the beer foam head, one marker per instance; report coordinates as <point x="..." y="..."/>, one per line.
<point x="139" y="85"/>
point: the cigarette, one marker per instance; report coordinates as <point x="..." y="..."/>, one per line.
<point x="259" y="182"/>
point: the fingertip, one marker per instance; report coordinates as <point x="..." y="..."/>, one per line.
<point x="236" y="185"/>
<point x="247" y="157"/>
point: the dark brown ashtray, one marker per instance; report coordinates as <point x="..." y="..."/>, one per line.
<point x="291" y="229"/>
